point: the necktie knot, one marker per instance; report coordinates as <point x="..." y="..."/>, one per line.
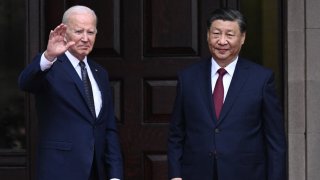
<point x="82" y="65"/>
<point x="221" y="72"/>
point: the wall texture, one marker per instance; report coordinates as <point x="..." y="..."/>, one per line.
<point x="303" y="87"/>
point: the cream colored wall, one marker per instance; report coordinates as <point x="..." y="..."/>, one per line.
<point x="313" y="88"/>
<point x="303" y="89"/>
<point x="296" y="90"/>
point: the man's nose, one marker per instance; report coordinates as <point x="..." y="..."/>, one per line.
<point x="84" y="36"/>
<point x="223" y="39"/>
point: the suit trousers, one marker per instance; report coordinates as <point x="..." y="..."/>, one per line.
<point x="215" y="169"/>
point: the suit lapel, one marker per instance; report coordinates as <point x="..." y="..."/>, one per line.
<point x="238" y="80"/>
<point x="205" y="86"/>
<point x="69" y="69"/>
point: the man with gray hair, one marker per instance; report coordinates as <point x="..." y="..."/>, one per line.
<point x="78" y="137"/>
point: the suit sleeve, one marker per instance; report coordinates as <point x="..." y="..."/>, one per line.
<point x="32" y="78"/>
<point x="274" y="132"/>
<point x="176" y="135"/>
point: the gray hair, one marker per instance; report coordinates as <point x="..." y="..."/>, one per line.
<point x="78" y="9"/>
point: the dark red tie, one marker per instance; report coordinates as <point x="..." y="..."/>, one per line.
<point x="218" y="92"/>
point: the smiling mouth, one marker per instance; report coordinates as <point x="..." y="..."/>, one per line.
<point x="222" y="50"/>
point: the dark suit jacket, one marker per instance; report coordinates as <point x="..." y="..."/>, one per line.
<point x="69" y="135"/>
<point x="248" y="142"/>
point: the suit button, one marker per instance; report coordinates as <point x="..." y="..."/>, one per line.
<point x="215" y="154"/>
<point x="217" y="130"/>
<point x="210" y="154"/>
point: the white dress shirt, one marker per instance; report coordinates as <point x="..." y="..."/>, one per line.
<point x="226" y="78"/>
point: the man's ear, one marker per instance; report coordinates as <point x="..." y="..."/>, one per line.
<point x="243" y="38"/>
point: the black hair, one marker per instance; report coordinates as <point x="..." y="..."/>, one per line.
<point x="228" y="15"/>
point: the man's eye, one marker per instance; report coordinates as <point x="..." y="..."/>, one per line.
<point x="91" y="33"/>
<point x="78" y="32"/>
<point x="216" y="34"/>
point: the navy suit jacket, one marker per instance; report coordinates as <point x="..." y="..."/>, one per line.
<point x="248" y="142"/>
<point x="69" y="135"/>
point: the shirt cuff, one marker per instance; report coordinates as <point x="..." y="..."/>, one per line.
<point x="114" y="179"/>
<point x="45" y="63"/>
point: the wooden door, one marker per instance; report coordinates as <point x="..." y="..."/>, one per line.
<point x="143" y="44"/>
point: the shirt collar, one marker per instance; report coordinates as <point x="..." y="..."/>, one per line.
<point x="230" y="68"/>
<point x="74" y="61"/>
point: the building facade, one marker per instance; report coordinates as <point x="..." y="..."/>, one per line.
<point x="143" y="43"/>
